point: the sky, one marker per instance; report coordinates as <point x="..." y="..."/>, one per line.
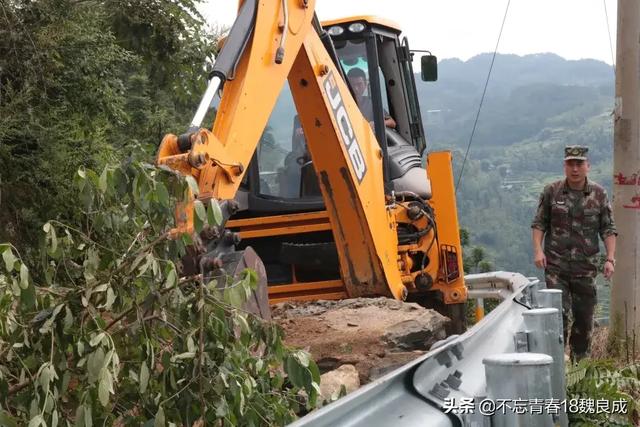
<point x="573" y="29"/>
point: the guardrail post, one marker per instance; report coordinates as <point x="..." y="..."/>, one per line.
<point x="544" y="335"/>
<point x="551" y="298"/>
<point x="523" y="378"/>
<point x="532" y="292"/>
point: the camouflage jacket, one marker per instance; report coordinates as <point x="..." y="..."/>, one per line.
<point x="572" y="221"/>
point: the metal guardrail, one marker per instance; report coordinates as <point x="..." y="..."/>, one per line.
<point x="416" y="393"/>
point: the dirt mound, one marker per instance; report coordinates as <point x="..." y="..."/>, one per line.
<point x="373" y="334"/>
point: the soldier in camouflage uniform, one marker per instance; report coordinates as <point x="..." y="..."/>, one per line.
<point x="571" y="214"/>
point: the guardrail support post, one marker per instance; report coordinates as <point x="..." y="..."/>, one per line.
<point x="551" y="298"/>
<point x="532" y="292"/>
<point x="544" y="335"/>
<point x="520" y="377"/>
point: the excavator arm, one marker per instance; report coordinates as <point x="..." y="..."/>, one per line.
<point x="272" y="42"/>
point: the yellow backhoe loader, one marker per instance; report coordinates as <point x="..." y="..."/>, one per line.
<point x="326" y="189"/>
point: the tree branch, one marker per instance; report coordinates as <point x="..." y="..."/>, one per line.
<point x="180" y="283"/>
<point x="18" y="387"/>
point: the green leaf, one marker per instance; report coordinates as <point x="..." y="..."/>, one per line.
<point x="303" y="357"/>
<point x="111" y="298"/>
<point x="182" y="356"/>
<point x="95" y="362"/>
<point x="80" y="416"/>
<point x="198" y="224"/>
<point x="163" y="194"/>
<point x="28" y="297"/>
<point x="48" y="404"/>
<point x="172" y="279"/>
<point x="54" y="419"/>
<point x="88" y="418"/>
<point x="314" y="391"/>
<point x="159" y="420"/>
<point x="200" y="210"/>
<point x="24" y="276"/>
<point x="148" y="263"/>
<point x="137" y="261"/>
<point x="37" y="421"/>
<point x="242" y="402"/>
<point x="295" y="372"/>
<point x="7" y="420"/>
<point x="234" y="295"/>
<point x="144" y="377"/>
<point x="100" y="288"/>
<point x="191" y="346"/>
<point x="222" y="408"/>
<point x="46" y="375"/>
<point x="193" y="185"/>
<point x="242" y="322"/>
<point x="96" y="339"/>
<point x="9" y="259"/>
<point x="214" y="207"/>
<point x="102" y="183"/>
<point x="211" y="219"/>
<point x="53" y="241"/>
<point x="315" y="371"/>
<point x="247" y="386"/>
<point x="103" y="391"/>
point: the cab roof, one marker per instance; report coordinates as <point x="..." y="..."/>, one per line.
<point x="373" y="20"/>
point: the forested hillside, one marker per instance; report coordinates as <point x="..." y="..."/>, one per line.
<point x="535" y="105"/>
<point x="88" y="83"/>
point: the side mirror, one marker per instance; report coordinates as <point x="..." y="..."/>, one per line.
<point x="429" y="68"/>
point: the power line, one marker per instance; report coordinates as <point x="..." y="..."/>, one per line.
<point x="606" y="17"/>
<point x="486" y="83"/>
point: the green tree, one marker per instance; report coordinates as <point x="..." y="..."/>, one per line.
<point x="112" y="335"/>
<point x="83" y="83"/>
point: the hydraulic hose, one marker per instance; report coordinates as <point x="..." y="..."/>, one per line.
<point x="225" y="66"/>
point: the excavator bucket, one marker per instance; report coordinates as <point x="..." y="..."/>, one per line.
<point x="234" y="264"/>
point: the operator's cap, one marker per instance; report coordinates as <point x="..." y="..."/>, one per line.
<point x="575" y="152"/>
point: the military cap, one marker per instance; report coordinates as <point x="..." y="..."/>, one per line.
<point x="577" y="152"/>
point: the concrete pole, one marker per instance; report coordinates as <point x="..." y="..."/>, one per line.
<point x="625" y="298"/>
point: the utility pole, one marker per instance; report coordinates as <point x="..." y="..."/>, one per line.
<point x="625" y="292"/>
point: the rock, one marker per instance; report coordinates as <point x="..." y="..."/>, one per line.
<point x="364" y="332"/>
<point x="379" y="371"/>
<point x="331" y="382"/>
<point x="418" y="333"/>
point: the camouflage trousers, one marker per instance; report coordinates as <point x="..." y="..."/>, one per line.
<point x="578" y="304"/>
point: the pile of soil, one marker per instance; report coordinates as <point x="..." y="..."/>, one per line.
<point x="375" y="335"/>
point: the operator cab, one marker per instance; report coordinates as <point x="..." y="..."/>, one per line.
<point x="281" y="178"/>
